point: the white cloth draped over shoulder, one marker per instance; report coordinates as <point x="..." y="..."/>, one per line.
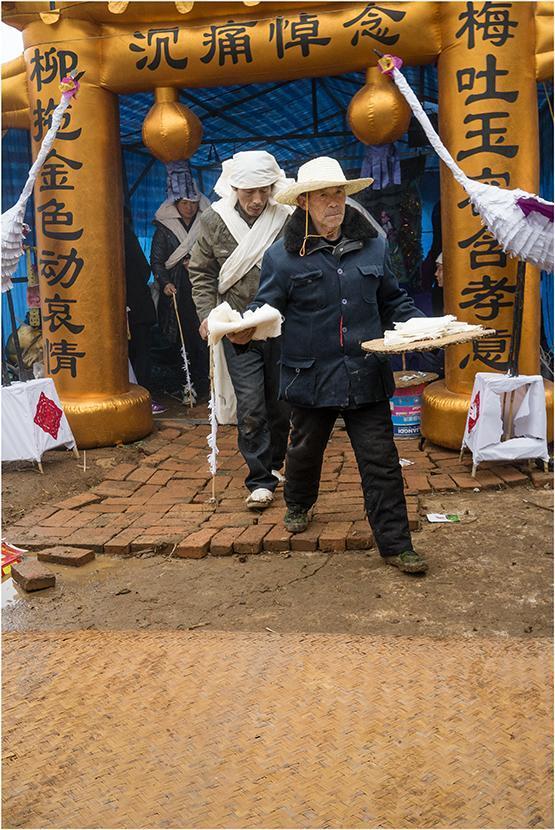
<point x="169" y="216"/>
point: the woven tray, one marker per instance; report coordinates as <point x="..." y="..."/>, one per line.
<point x="425" y="345"/>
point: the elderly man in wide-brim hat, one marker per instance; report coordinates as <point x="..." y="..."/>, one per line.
<point x="330" y="277"/>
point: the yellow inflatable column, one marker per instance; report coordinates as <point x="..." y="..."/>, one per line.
<point x="489" y="122"/>
<point x="79" y="226"/>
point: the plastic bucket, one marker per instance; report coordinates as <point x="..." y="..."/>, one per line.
<point x="406" y="411"/>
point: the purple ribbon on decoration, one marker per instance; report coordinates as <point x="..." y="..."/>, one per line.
<point x="528" y="204"/>
<point x="381" y="163"/>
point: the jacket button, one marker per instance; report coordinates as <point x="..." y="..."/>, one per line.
<point x="340" y="270"/>
<point x="297" y="371"/>
<point x="343" y="301"/>
<point x="344" y="329"/>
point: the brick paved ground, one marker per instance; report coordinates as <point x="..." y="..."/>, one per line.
<point x="164" y="502"/>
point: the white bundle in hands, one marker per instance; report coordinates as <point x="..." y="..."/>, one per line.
<point x="427" y="328"/>
<point x="223" y="320"/>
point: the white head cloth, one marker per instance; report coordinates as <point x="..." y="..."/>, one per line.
<point x="248" y="170"/>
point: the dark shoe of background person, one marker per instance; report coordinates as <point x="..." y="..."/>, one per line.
<point x="409" y="562"/>
<point x="296" y="519"/>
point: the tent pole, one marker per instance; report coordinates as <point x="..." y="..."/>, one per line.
<point x="517" y="318"/>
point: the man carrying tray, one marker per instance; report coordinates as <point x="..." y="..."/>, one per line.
<point x="330" y="278"/>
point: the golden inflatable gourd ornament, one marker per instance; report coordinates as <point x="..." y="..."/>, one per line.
<point x="171" y="131"/>
<point x="378" y="113"/>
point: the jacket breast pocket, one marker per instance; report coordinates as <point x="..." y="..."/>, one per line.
<point x="307" y="290"/>
<point x="369" y="282"/>
<point x="298" y="380"/>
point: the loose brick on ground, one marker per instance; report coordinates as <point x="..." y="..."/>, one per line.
<point x="65" y="555"/>
<point x="58" y="519"/>
<point x="197" y="544"/>
<point x="277" y="539"/>
<point x="222" y="543"/>
<point x="334" y="536"/>
<point x="94" y="538"/>
<point x="140" y="474"/>
<point x="116" y="488"/>
<point x="31" y="576"/>
<point x="218" y="520"/>
<point x="35" y="517"/>
<point x="160" y="477"/>
<point x="417" y="481"/>
<point x="102" y="507"/>
<point x="169" y="434"/>
<point x="487" y="479"/>
<point x="153" y="540"/>
<point x="250" y="541"/>
<point x="464" y="481"/>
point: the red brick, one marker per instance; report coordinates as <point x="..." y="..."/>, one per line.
<point x="82" y="519"/>
<point x="360" y="536"/>
<point x="510" y="475"/>
<point x="231" y="520"/>
<point x="31" y="576"/>
<point x="36" y="516"/>
<point x="277" y="539"/>
<point x="540" y="479"/>
<point x="308" y="539"/>
<point x="417" y="481"/>
<point x="464" y="481"/>
<point x="120" y="544"/>
<point x="116" y="488"/>
<point x="74" y="502"/>
<point x="197" y="544"/>
<point x="143" y="519"/>
<point x="169" y="434"/>
<point x="160" y="477"/>
<point x="65" y="555"/>
<point x="94" y="538"/>
<point x="347" y="515"/>
<point x="103" y="507"/>
<point x="250" y="540"/>
<point x="414" y="521"/>
<point x="120" y="472"/>
<point x="334" y="536"/>
<point x="140" y="474"/>
<point x="57" y="519"/>
<point x="487" y="479"/>
<point x="222" y="543"/>
<point x="151" y="539"/>
<point x="442" y="482"/>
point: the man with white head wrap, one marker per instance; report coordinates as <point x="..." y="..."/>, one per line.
<point x="225" y="267"/>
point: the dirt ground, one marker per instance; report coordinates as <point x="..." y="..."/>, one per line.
<point x="489" y="575"/>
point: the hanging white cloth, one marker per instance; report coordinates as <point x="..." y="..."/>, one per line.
<point x="526" y="235"/>
<point x="223" y="320"/>
<point x="169" y="216"/>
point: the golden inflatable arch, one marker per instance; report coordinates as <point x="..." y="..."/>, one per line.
<point x="489" y="55"/>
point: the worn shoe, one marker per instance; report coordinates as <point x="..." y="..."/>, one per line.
<point x="279" y="476"/>
<point x="157" y="408"/>
<point x="259" y="499"/>
<point x="296" y="519"/>
<point x="409" y="562"/>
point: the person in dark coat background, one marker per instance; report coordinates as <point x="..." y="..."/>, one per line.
<point x="141" y="315"/>
<point x="331" y="279"/>
<point x="177" y="222"/>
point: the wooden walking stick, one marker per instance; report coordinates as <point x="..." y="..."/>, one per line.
<point x="188" y="384"/>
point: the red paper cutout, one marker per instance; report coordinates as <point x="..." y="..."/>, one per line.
<point x="48" y="415"/>
<point x="474" y="412"/>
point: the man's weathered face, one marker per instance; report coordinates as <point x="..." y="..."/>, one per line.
<point x="439" y="274"/>
<point x="326" y="207"/>
<point x="187" y="209"/>
<point x="254" y="201"/>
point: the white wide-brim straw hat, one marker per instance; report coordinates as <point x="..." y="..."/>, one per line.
<point x="318" y="174"/>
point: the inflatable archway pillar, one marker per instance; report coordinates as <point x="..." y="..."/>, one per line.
<point x="79" y="228"/>
<point x="488" y="115"/>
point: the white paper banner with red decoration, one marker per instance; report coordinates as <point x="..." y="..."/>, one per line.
<point x="506" y="420"/>
<point x="33" y="421"/>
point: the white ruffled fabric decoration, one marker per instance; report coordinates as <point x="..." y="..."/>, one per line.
<point x="189" y="391"/>
<point x="13" y="226"/>
<point x="429" y="328"/>
<point x="212" y="438"/>
<point x="223" y="320"/>
<point x="528" y="237"/>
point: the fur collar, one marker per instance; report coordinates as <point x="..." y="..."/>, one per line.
<point x="355" y="227"/>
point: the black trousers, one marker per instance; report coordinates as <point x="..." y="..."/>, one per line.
<point x="371" y="434"/>
<point x="139" y="352"/>
<point x="262" y="419"/>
